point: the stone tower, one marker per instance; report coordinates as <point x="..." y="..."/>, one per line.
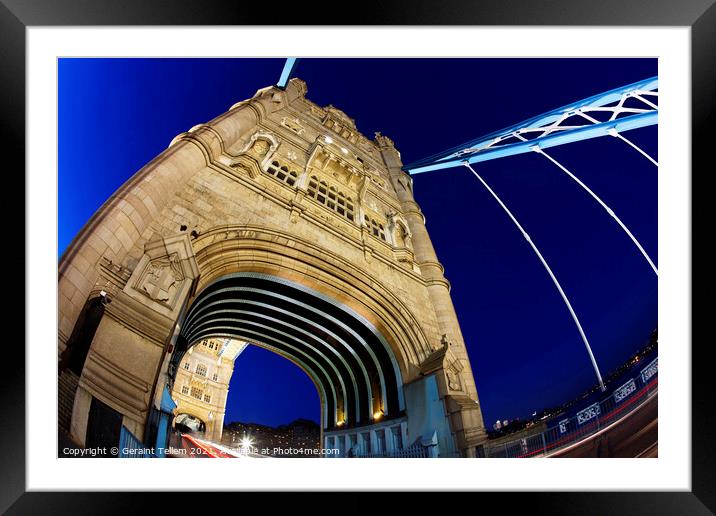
<point x="201" y="385"/>
<point x="279" y="224"/>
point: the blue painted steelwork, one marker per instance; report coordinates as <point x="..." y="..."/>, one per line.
<point x="166" y="407"/>
<point x="287" y="71"/>
<point x="549" y="131"/>
<point x="131" y="447"/>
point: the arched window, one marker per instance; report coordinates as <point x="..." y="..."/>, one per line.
<point x="282" y="173"/>
<point x="375" y="227"/>
<point x="331" y="197"/>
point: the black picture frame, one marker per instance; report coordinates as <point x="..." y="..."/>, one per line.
<point x="699" y="15"/>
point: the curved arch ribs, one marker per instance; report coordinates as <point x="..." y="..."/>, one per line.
<point x="352" y="364"/>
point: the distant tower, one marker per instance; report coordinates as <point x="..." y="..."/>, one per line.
<point x="202" y="383"/>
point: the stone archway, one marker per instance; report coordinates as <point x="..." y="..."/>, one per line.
<point x="355" y="369"/>
<point x="192" y="422"/>
<point x="281" y="192"/>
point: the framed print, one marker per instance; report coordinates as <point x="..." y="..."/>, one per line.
<point x="315" y="249"/>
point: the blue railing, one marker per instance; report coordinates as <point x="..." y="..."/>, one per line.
<point x="416" y="451"/>
<point x="130" y="447"/>
<point x="626" y="398"/>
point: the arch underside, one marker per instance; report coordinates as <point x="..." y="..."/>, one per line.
<point x="351" y="363"/>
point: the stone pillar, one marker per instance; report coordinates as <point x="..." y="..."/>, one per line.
<point x="138" y="322"/>
<point x="457" y="378"/>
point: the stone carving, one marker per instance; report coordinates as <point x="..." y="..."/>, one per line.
<point x="453" y="379"/>
<point x="401" y="234"/>
<point x="239" y="164"/>
<point x="405" y="184"/>
<point x="363" y="188"/>
<point x="377" y="181"/>
<point x="383" y="141"/>
<point x="340" y="116"/>
<point x="260" y="148"/>
<point x="316" y="111"/>
<point x="294" y="124"/>
<point x="300" y="85"/>
<point x="161" y="278"/>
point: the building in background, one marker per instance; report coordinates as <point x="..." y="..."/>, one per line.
<point x="202" y="386"/>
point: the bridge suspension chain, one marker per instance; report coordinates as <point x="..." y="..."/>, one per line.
<point x="549" y="271"/>
<point x="538" y="150"/>
<point x="613" y="132"/>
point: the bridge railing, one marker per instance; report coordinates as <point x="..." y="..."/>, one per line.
<point x="416" y="451"/>
<point x="588" y="421"/>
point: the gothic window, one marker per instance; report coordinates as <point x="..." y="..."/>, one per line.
<point x="207" y="398"/>
<point x="215" y="377"/>
<point x="375" y="227"/>
<point x="185" y="389"/>
<point x="282" y="173"/>
<point x="201" y="369"/>
<point x="186" y="365"/>
<point x="330" y="197"/>
<point x="196" y="392"/>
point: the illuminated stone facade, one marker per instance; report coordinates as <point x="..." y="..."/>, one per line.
<point x="285" y="192"/>
<point x="202" y="381"/>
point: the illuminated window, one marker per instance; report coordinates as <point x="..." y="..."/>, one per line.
<point x="185" y="389"/>
<point x="375" y="227"/>
<point x="196" y="392"/>
<point x="282" y="173"/>
<point x="201" y="369"/>
<point x="330" y="197"/>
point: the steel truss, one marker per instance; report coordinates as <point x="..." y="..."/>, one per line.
<point x="611" y="113"/>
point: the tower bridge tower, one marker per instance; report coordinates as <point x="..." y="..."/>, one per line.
<point x="201" y="385"/>
<point x="277" y="224"/>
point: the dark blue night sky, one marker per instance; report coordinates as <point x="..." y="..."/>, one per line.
<point x="117" y="114"/>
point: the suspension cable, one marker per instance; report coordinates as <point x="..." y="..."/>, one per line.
<point x="613" y="132"/>
<point x="549" y="271"/>
<point x="537" y="149"/>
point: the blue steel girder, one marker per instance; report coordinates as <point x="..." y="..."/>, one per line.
<point x="621" y="109"/>
<point x="288" y="69"/>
